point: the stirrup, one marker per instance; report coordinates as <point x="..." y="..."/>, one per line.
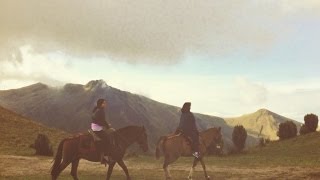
<point x="196" y="155"/>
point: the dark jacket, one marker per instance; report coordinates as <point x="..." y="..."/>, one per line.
<point x="188" y="124"/>
<point x="99" y="117"/>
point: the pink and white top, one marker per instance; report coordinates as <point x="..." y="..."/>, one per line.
<point x="96" y="127"/>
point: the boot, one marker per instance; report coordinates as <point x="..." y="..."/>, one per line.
<point x="196" y="154"/>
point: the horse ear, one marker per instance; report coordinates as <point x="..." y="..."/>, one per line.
<point x="219" y="128"/>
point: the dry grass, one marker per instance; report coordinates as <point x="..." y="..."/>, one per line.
<point x="146" y="168"/>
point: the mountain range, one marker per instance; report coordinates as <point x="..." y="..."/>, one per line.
<point x="69" y="108"/>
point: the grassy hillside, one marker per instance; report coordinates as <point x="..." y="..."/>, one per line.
<point x="301" y="150"/>
<point x="18" y="132"/>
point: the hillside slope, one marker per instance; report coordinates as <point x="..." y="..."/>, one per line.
<point x="17" y="133"/>
<point x="301" y="150"/>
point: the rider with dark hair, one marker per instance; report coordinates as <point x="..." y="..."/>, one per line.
<point x="188" y="127"/>
<point x="98" y="125"/>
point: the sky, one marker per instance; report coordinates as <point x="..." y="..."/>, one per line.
<point x="227" y="57"/>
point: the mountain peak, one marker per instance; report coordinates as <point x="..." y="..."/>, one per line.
<point x="37" y="86"/>
<point x="264" y="111"/>
<point x="96" y="84"/>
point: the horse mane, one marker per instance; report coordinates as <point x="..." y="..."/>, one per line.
<point x="127" y="128"/>
<point x="210" y="129"/>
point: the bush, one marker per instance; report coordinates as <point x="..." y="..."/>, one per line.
<point x="287" y="130"/>
<point x="42" y="146"/>
<point x="239" y="136"/>
<point x="311" y="122"/>
<point x="304" y="130"/>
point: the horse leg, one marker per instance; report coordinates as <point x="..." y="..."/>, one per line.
<point x="204" y="169"/>
<point x="125" y="169"/>
<point x="74" y="168"/>
<point x="195" y="162"/>
<point x="61" y="167"/>
<point x="110" y="168"/>
<point x="168" y="160"/>
<point x="165" y="168"/>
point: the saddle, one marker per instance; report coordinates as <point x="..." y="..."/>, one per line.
<point x="187" y="138"/>
<point x="97" y="138"/>
<point x="94" y="136"/>
<point x="86" y="144"/>
<point x="90" y="143"/>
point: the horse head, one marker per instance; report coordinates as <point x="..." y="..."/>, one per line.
<point x="142" y="140"/>
<point x="217" y="138"/>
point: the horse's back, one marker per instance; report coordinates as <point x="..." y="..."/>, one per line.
<point x="177" y="143"/>
<point x="81" y="144"/>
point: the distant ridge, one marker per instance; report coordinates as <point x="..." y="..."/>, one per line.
<point x="263" y="119"/>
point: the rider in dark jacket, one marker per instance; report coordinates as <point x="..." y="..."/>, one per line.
<point x="189" y="128"/>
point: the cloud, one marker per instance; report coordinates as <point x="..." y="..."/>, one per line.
<point x="297" y="103"/>
<point x="251" y="92"/>
<point x="36" y="68"/>
<point x="149" y="31"/>
<point x="298" y="6"/>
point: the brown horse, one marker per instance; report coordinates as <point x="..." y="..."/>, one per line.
<point x="71" y="150"/>
<point x="175" y="146"/>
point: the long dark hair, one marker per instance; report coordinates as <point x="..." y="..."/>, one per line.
<point x="186" y="107"/>
<point x="99" y="104"/>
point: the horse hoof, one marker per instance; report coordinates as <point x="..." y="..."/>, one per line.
<point x="189" y="177"/>
<point x="208" y="178"/>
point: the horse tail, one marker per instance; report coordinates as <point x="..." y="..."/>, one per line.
<point x="160" y="144"/>
<point x="57" y="159"/>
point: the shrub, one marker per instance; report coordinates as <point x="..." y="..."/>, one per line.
<point x="287" y="130"/>
<point x="304" y="130"/>
<point x="42" y="146"/>
<point x="239" y="136"/>
<point x="311" y="122"/>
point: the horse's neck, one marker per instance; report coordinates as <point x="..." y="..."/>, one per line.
<point x="127" y="137"/>
<point x="206" y="137"/>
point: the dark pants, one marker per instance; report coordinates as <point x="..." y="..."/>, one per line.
<point x="195" y="140"/>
